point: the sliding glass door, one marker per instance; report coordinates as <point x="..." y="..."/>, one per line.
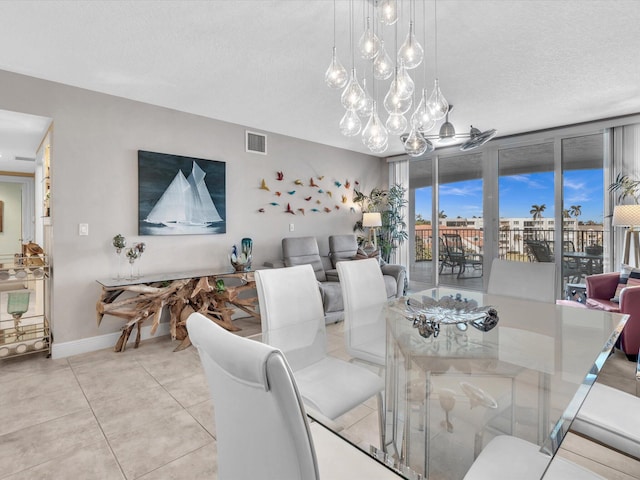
<point x="526" y="203"/>
<point x="448" y="229"/>
<point x="583" y="194"/>
<point x="460" y="212"/>
<point x="533" y="201"/>
<point x="421" y="210"/>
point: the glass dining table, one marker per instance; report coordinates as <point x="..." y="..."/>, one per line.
<point x="462" y="367"/>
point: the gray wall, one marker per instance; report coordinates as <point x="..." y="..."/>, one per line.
<point x="94" y="180"/>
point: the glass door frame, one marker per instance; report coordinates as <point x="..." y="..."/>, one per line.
<point x="490" y="188"/>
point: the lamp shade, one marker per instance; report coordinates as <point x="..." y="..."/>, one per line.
<point x="371" y="219"/>
<point x="626" y="216"/>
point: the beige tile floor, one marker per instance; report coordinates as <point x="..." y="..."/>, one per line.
<point x="146" y="414"/>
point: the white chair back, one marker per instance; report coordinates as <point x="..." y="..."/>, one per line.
<point x="364" y="296"/>
<point x="291" y="313"/>
<point x="293" y="321"/>
<point x="261" y="426"/>
<point x="526" y="280"/>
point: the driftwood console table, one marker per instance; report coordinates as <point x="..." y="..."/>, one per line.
<point x="214" y="294"/>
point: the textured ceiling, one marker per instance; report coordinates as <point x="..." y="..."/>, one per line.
<point x="513" y="65"/>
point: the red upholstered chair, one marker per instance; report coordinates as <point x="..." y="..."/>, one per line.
<point x="601" y="289"/>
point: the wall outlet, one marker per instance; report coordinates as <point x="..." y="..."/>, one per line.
<point x="291" y="227"/>
<point x="83" y="229"/>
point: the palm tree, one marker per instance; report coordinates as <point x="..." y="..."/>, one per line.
<point x="536" y="211"/>
<point x="441" y="214"/>
<point x="420" y="220"/>
<point x="576" y="210"/>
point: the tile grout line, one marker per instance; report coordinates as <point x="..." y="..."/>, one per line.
<point x="115" y="457"/>
<point x="62" y="416"/>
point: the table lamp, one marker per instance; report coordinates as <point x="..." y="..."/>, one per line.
<point x="372" y="220"/>
<point x="628" y="216"/>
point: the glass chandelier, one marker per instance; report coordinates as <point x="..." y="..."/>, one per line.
<point x="360" y="100"/>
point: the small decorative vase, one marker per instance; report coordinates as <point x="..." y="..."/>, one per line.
<point x="131" y="275"/>
<point x="132" y="255"/>
<point x="117" y="272"/>
<point x="140" y="247"/>
<point x="247" y="246"/>
<point x="119" y="242"/>
<point x="247" y="249"/>
<point x="139" y="270"/>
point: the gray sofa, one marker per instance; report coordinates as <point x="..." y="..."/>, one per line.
<point x="304" y="250"/>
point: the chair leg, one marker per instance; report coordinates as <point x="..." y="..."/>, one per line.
<point x="478" y="440"/>
<point x="381" y="421"/>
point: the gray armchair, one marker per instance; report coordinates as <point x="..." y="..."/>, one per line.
<point x="304" y="250"/>
<point x="345" y="247"/>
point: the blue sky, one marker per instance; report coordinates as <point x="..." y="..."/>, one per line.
<point x="518" y="193"/>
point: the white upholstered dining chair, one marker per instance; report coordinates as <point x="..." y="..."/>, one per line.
<point x="610" y="417"/>
<point x="526" y="280"/>
<point x="364" y="297"/>
<point x="293" y="320"/>
<point x="262" y="430"/>
<point x="509" y="458"/>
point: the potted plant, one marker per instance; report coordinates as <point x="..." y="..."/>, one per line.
<point x="389" y="203"/>
<point x="625" y="187"/>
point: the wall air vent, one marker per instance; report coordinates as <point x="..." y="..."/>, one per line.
<point x="256" y="143"/>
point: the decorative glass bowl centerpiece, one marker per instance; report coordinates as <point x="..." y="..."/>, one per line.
<point x="429" y="314"/>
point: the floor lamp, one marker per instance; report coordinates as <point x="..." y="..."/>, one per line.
<point x="628" y="216"/>
<point x="372" y="220"/>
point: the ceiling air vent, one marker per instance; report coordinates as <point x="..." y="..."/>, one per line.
<point x="256" y="143"/>
<point x="26" y="159"/>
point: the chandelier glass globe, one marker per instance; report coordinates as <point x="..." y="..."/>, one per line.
<point x="336" y="75"/>
<point x="369" y="43"/>
<point x="396" y="103"/>
<point x="411" y="52"/>
<point x="438" y="105"/>
<point x="415" y="144"/>
<point x="396" y="123"/>
<point x="388" y="11"/>
<point x="350" y="124"/>
<point x="375" y="135"/>
<point x="382" y="65"/>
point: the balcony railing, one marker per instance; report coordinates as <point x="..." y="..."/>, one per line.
<point x="511" y="242"/>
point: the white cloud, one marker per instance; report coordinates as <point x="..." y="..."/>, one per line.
<point x="526" y="179"/>
<point x="574" y="185"/>
<point x="466" y="191"/>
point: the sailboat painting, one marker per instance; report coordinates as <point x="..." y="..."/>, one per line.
<point x="180" y="195"/>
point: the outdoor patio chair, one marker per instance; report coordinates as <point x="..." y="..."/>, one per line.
<point x="539" y="251"/>
<point x="459" y="256"/>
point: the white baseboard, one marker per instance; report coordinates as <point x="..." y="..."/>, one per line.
<point x="91" y="344"/>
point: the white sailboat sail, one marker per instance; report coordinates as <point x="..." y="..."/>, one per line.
<point x="186" y="201"/>
<point x="171" y="206"/>
<point x="201" y="209"/>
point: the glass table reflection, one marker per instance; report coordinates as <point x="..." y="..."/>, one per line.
<point x="447" y="396"/>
